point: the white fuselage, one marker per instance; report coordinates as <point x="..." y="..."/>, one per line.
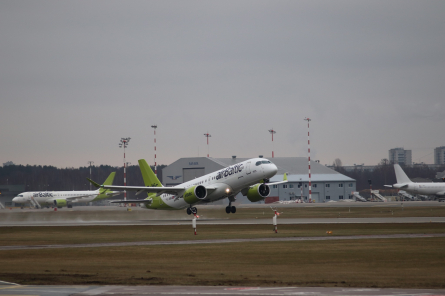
<point x="48" y="197"/>
<point x="228" y="182"/>
<point x="425" y="188"/>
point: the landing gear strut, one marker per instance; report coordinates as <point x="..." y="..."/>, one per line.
<point x="230" y="208"/>
<point x="191" y="210"/>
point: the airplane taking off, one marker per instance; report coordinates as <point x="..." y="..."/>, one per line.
<point x="66" y="198"/>
<point x="403" y="182"/>
<point x="249" y="177"/>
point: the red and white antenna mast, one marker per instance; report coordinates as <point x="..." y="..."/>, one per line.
<point x="272" y="131"/>
<point x="309" y="159"/>
<point x="124" y="143"/>
<point x="207" y="136"/>
<point x="155" y="127"/>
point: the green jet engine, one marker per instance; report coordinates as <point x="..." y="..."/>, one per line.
<point x="195" y="194"/>
<point x="258" y="192"/>
<point x="60" y="203"/>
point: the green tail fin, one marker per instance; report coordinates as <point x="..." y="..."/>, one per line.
<point x="108" y="181"/>
<point x="150" y="179"/>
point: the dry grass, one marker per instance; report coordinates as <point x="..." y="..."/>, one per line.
<point x="411" y="263"/>
<point x="104" y="234"/>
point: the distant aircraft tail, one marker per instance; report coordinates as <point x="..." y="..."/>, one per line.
<point x="401" y="177"/>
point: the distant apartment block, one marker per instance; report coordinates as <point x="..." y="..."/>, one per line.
<point x="400" y="156"/>
<point x="439" y="155"/>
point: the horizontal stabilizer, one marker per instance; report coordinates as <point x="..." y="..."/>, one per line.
<point x="399" y="186"/>
<point x="94" y="183"/>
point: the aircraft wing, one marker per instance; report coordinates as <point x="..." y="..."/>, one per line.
<point x="276" y="183"/>
<point x="145" y="201"/>
<point x="157" y="190"/>
<point x="440" y="193"/>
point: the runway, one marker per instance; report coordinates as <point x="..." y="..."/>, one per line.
<point x="225" y="221"/>
<point x="216" y="291"/>
<point x="220" y="241"/>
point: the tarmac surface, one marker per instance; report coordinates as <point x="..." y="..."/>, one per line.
<point x="118" y="216"/>
<point x="199" y="290"/>
<point x="150" y="218"/>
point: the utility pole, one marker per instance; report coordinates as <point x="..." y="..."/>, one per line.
<point x="123" y="144"/>
<point x="272" y="131"/>
<point x="90" y="163"/>
<point x="207" y="136"/>
<point x="309" y="158"/>
<point x="155" y="127"/>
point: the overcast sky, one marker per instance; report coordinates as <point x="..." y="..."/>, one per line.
<point x="76" y="76"/>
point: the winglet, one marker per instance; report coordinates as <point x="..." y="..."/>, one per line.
<point x="94" y="183"/>
<point x="285" y="177"/>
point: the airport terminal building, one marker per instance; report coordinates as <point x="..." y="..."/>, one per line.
<point x="327" y="184"/>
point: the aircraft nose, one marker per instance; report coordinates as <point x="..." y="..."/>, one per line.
<point x="274" y="169"/>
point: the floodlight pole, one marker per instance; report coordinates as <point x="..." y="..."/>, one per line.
<point x="155" y="127"/>
<point x="272" y="131"/>
<point x="90" y="162"/>
<point x="124" y="143"/>
<point x="309" y="159"/>
<point x="207" y="136"/>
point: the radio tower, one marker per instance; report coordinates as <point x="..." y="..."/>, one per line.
<point x="309" y="159"/>
<point x="124" y="143"/>
<point x="155" y="127"/>
<point x="272" y="131"/>
<point x="207" y="136"/>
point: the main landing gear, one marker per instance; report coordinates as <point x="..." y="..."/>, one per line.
<point x="191" y="210"/>
<point x="230" y="208"/>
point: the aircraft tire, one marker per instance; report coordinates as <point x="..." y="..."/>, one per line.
<point x="189" y="212"/>
<point x="194" y="210"/>
<point x="228" y="210"/>
<point x="233" y="209"/>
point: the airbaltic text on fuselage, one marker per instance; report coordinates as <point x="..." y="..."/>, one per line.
<point x="237" y="168"/>
<point x="42" y="194"/>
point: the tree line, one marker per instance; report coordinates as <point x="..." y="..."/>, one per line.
<point x="49" y="178"/>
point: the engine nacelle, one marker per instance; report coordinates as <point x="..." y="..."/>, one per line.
<point x="258" y="192"/>
<point x="195" y="194"/>
<point x="60" y="203"/>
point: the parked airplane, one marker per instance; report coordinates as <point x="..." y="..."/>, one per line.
<point x="65" y="198"/>
<point x="403" y="182"/>
<point x="249" y="177"/>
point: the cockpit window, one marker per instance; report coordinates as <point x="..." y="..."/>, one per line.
<point x="265" y="161"/>
<point x="258" y="163"/>
<point x="21" y="195"/>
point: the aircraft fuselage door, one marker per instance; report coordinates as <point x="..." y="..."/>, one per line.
<point x="248" y="168"/>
